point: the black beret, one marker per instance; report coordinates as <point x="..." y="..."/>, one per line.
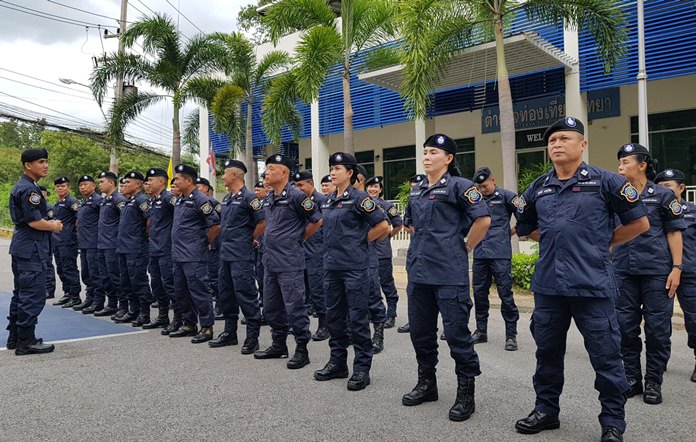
<point x="566" y="124"/>
<point x="415" y="179"/>
<point x="632" y="149"/>
<point x="670" y="175"/>
<point x="303" y="175"/>
<point x="481" y="175"/>
<point x="85" y="178"/>
<point x="235" y="163"/>
<point x="109" y="175"/>
<point x="343" y="159"/>
<point x="442" y="141"/>
<point x="375" y="180"/>
<point x="280" y="159"/>
<point x="259" y="185"/>
<point x="134" y="175"/>
<point x="204" y="181"/>
<point x="326" y="179"/>
<point x="361" y="170"/>
<point x="172" y="181"/>
<point x="122" y="180"/>
<point x="61" y="180"/>
<point x="30" y="155"/>
<point x="185" y="169"/>
<point x="156" y="172"/>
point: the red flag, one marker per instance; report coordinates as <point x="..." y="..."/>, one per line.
<point x="211" y="161"/>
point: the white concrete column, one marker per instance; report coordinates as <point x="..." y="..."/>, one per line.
<point x="320" y="151"/>
<point x="204" y="145"/>
<point x="424" y="129"/>
<point x="576" y="103"/>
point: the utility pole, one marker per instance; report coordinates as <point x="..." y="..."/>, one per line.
<point x="642" y="78"/>
<point x="118" y="91"/>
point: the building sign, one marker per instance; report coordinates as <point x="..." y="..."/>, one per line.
<point x="525" y="139"/>
<point x="543" y="112"/>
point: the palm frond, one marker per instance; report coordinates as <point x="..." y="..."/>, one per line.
<point x="127" y="109"/>
<point x="373" y="22"/>
<point x="288" y="16"/>
<point x="130" y="67"/>
<point x="201" y="56"/>
<point x="240" y="58"/>
<point x="191" y="132"/>
<point x="158" y="33"/>
<point x="382" y="57"/>
<point x="316" y="53"/>
<point x="279" y="108"/>
<point x="201" y="90"/>
<point x="225" y="108"/>
<point x="270" y="64"/>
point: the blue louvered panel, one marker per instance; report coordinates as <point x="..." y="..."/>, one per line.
<point x="220" y="142"/>
<point x="259" y="136"/>
<point x="670" y="37"/>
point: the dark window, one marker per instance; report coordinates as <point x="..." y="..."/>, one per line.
<point x="399" y="166"/>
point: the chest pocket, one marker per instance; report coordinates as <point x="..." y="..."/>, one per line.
<point x="586" y="203"/>
<point x="652" y="206"/>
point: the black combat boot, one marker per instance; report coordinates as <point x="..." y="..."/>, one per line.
<point x="174" y="325"/>
<point x="224" y="339"/>
<point x="378" y="339"/>
<point x="322" y="333"/>
<point x="12" y="337"/>
<point x="204" y="335"/>
<point x="27" y="344"/>
<point x="390" y="322"/>
<point x="300" y="358"/>
<point x="425" y="390"/>
<point x="464" y="405"/>
<point x="185" y="330"/>
<point x="277" y="350"/>
<point x="161" y="321"/>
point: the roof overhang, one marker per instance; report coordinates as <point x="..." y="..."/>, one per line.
<point x="524" y="53"/>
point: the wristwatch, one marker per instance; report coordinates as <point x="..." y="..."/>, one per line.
<point x="677" y="266"/>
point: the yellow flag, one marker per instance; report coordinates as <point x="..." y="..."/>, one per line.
<point x="170" y="169"/>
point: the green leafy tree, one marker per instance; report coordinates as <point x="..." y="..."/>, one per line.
<point x="322" y="45"/>
<point x="433" y="32"/>
<point x="249" y="21"/>
<point x="179" y="68"/>
<point x="20" y="135"/>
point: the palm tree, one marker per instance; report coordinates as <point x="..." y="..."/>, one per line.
<point x="364" y="23"/>
<point x="434" y="30"/>
<point x="245" y="74"/>
<point x="179" y="69"/>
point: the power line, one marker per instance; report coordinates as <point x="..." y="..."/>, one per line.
<point x="84" y="11"/>
<point x="187" y="19"/>
<point x="47" y="108"/>
<point x="45" y="88"/>
<point x="45" y="81"/>
<point x="146" y="7"/>
<point x="46" y="15"/>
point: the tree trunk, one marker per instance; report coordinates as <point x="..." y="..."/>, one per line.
<point x="113" y="160"/>
<point x="251" y="177"/>
<point x="347" y="107"/>
<point x="176" y="138"/>
<point x="507" y="117"/>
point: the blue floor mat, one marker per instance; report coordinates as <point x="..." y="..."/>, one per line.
<point x="57" y="324"/>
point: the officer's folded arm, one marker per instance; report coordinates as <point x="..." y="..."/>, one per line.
<point x="311" y="229"/>
<point x="378" y="231"/>
<point x="630" y="230"/>
<point x="213" y="232"/>
<point x="477" y="232"/>
<point x="54" y="226"/>
<point x="258" y="230"/>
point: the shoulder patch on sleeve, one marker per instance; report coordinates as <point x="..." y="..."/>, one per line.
<point x="34" y="199"/>
<point x="172" y="201"/>
<point x="218" y="208"/>
<point x="368" y="204"/>
<point x="120" y="205"/>
<point x="676" y="208"/>
<point x="629" y="192"/>
<point x="206" y="208"/>
<point x="308" y="204"/>
<point x="393" y="211"/>
<point x="74" y="206"/>
<point x="473" y="195"/>
<point x="256" y="204"/>
<point x="50" y="214"/>
<point x="519" y="203"/>
<point x="145" y="206"/>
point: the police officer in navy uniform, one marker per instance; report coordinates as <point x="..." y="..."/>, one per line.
<point x="375" y="188"/>
<point x="50" y="270"/>
<point x="352" y="220"/>
<point x="133" y="250"/>
<point x="493" y="259"/>
<point x="240" y="222"/>
<point x="314" y="256"/>
<point x="65" y="244"/>
<point x="196" y="225"/>
<point x="442" y="211"/>
<point x="648" y="270"/>
<point x="115" y="304"/>
<point x="570" y="210"/>
<point x="674" y="180"/>
<point x="87" y="237"/>
<point x="214" y="252"/>
<point x="327" y="187"/>
<point x="29" y="250"/>
<point x="160" y="217"/>
<point x="415" y="184"/>
<point x="291" y="217"/>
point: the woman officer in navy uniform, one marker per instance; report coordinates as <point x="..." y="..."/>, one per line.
<point x="648" y="270"/>
<point x="442" y="211"/>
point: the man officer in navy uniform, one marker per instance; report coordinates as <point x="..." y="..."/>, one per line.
<point x="65" y="244"/>
<point x="196" y="225"/>
<point x="291" y="217"/>
<point x="261" y="192"/>
<point x="160" y="217"/>
<point x="241" y="221"/>
<point x="570" y="210"/>
<point x="314" y="257"/>
<point x="327" y="187"/>
<point x="133" y="250"/>
<point x="375" y="188"/>
<point x="214" y="251"/>
<point x="87" y="237"/>
<point x="50" y="270"/>
<point x="493" y="259"/>
<point x="29" y="250"/>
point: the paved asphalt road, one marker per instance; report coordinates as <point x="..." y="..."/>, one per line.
<point x="149" y="387"/>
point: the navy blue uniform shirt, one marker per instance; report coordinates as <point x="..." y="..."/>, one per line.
<point x="502" y="204"/>
<point x="65" y="210"/>
<point x="383" y="247"/>
<point x="241" y="213"/>
<point x="109" y="219"/>
<point x="161" y="215"/>
<point x="132" y="229"/>
<point x="649" y="254"/>
<point x="287" y="216"/>
<point x="347" y="220"/>
<point x="576" y="220"/>
<point x="689" y="238"/>
<point x="88" y="221"/>
<point x="215" y="245"/>
<point x="442" y="216"/>
<point x="193" y="215"/>
<point x="27" y="205"/>
<point x="314" y="246"/>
